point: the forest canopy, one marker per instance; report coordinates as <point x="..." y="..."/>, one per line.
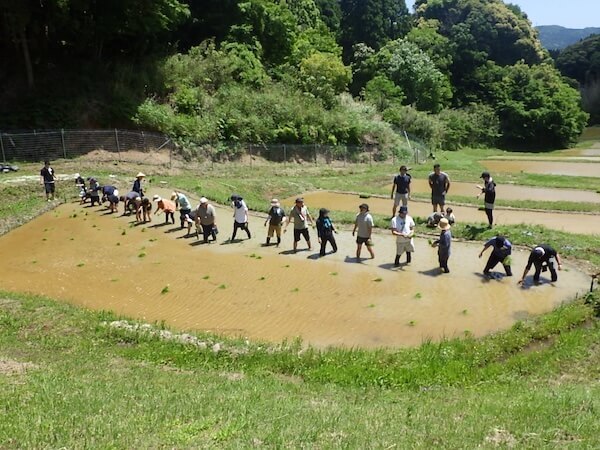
<point x="453" y="72"/>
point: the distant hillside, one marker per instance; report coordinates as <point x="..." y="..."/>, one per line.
<point x="555" y="37"/>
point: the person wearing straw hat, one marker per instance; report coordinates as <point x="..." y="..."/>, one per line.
<point x="137" y="184"/>
<point x="443" y="244"/>
<point x="364" y="225"/>
<point x="276" y="217"/>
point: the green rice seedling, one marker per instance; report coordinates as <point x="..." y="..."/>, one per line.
<point x="378" y="279"/>
<point x="94" y="226"/>
<point x="143" y="230"/>
<point x="261" y="279"/>
<point x="80" y="264"/>
<point x="114" y="279"/>
<point x="71" y="239"/>
<point x="333" y="273"/>
<point x="206" y="277"/>
<point x="412" y="323"/>
<point x="34" y="262"/>
<point x="222" y="286"/>
<point x="464" y="312"/>
<point x="123" y="233"/>
<point x="165" y="289"/>
<point x="141" y="254"/>
<point x="295" y="290"/>
<point x="371" y="305"/>
<point x="287" y="265"/>
<point x="118" y="244"/>
<point x="44" y="239"/>
<point x="418" y="295"/>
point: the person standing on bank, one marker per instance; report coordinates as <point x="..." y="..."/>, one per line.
<point x="325" y="230"/>
<point x="443" y="244"/>
<point x="489" y="191"/>
<point x="275" y="219"/>
<point x="403" y="227"/>
<point x="542" y="257"/>
<point x="501" y="251"/>
<point x="439" y="182"/>
<point x="402" y="187"/>
<point x="48" y="179"/>
<point x="364" y="225"/>
<point x="300" y="216"/>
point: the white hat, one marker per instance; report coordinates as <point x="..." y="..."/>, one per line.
<point x="156" y="197"/>
<point x="275" y="202"/>
<point x="77" y="175"/>
<point x="116" y="192"/>
<point x="203" y="200"/>
<point x="140" y="174"/>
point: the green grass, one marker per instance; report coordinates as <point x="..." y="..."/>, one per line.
<point x="88" y="385"/>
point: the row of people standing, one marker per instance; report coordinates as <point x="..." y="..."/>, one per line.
<point x="439" y="183"/>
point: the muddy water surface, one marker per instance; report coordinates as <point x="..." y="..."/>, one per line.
<point x="243" y="289"/>
<point x="571" y="222"/>
<point x="577" y="169"/>
<point x="514" y="192"/>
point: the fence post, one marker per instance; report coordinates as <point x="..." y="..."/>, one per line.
<point x="250" y="151"/>
<point x="62" y="140"/>
<point x="117" y="141"/>
<point x="144" y="141"/>
<point x="284" y="155"/>
<point x="315" y="147"/>
<point x="2" y="146"/>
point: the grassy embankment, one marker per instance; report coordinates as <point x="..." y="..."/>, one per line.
<point x="68" y="381"/>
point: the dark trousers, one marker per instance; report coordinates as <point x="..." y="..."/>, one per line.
<point x="243" y="226"/>
<point x="443" y="259"/>
<point x="182" y="213"/>
<point x="493" y="261"/>
<point x="327" y="237"/>
<point x="208" y="230"/>
<point x="490" y="215"/>
<point x="538" y="270"/>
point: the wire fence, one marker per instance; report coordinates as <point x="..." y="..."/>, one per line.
<point x="158" y="149"/>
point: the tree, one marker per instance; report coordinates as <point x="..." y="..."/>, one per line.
<point x="324" y="76"/>
<point x="372" y="22"/>
<point x="538" y="108"/>
<point x="423" y="84"/>
<point x="382" y="93"/>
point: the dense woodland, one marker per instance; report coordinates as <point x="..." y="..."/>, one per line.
<point x="453" y="72"/>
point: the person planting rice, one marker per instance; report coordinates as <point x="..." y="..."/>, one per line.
<point x="167" y="206"/>
<point x="94" y="192"/>
<point x="206" y="216"/>
<point x="183" y="204"/>
<point x="143" y="209"/>
<point x="130" y="202"/>
<point x="501" y="251"/>
<point x="113" y="201"/>
<point x="542" y="257"/>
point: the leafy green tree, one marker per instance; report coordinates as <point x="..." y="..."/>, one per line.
<point x="423" y="84"/>
<point x="382" y="93"/>
<point x="324" y="76"/>
<point x="538" y="108"/>
<point x="481" y="31"/>
<point x="331" y="14"/>
<point x="372" y="22"/>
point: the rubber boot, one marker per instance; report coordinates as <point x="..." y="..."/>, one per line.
<point x="408" y="257"/>
<point x="397" y="261"/>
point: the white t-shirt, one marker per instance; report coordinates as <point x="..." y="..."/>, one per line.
<point x="240" y="215"/>
<point x="405" y="226"/>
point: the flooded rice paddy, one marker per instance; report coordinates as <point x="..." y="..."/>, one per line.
<point x="576" y="169"/>
<point x="571" y="222"/>
<point x="514" y="192"/>
<point x="152" y="272"/>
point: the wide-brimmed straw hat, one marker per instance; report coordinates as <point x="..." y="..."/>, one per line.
<point x="203" y="200"/>
<point x="140" y="175"/>
<point x="156" y="197"/>
<point x="444" y="225"/>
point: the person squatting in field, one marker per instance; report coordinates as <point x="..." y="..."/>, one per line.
<point x="501" y="251"/>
